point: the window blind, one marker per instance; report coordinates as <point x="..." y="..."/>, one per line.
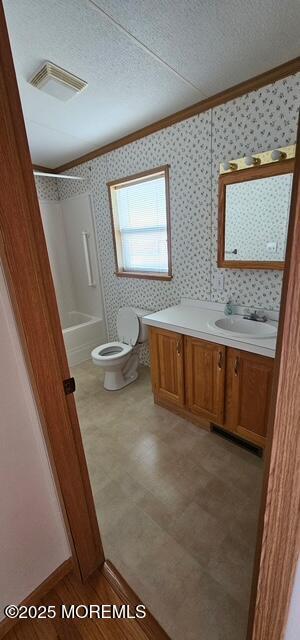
<point x="142" y="222"/>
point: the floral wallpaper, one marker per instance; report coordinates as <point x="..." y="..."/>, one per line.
<point x="194" y="148"/>
<point x="47" y="188"/>
<point x="258" y="121"/>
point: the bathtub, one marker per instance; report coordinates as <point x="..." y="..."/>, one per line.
<point x="81" y="333"/>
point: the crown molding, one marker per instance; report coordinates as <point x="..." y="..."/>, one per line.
<point x="40" y="167"/>
<point x="238" y="90"/>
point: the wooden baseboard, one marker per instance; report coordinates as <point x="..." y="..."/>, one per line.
<point x="184" y="413"/>
<point x="36" y="596"/>
<point x="149" y="625"/>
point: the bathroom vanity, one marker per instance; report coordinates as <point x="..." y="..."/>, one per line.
<point x="211" y="375"/>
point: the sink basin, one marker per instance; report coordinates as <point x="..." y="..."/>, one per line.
<point x="236" y="325"/>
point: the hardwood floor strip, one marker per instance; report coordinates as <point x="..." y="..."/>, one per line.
<point x="106" y="586"/>
<point x="36" y="596"/>
<point x="27" y="632"/>
<point x="36" y="630"/>
<point x="100" y="591"/>
<point x="81" y="594"/>
<point x="64" y="629"/>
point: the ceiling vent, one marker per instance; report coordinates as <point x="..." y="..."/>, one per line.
<point x="58" y="82"/>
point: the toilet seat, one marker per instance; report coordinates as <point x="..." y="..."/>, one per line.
<point x="128" y="326"/>
<point x="111" y="351"/>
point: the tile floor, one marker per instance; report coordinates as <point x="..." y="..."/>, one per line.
<point x="177" y="507"/>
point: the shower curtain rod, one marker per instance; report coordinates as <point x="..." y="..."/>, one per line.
<point x="56" y="175"/>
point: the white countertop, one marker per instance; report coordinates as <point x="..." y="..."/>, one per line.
<point x="195" y="319"/>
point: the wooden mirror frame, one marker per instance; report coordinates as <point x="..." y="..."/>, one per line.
<point x="244" y="175"/>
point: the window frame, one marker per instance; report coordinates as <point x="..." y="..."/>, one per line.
<point x="137" y="177"/>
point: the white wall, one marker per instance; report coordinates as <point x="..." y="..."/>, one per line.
<point x="293" y="626"/>
<point x="33" y="539"/>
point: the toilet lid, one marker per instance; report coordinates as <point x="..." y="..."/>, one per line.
<point x="128" y="326"/>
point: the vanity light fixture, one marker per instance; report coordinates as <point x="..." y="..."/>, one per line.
<point x="260" y="159"/>
<point x="229" y="166"/>
<point x="251" y="160"/>
<point x="278" y="155"/>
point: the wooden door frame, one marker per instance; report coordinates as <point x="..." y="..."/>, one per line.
<point x="31" y="288"/>
<point x="26" y="265"/>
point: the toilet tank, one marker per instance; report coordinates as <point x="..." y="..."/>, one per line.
<point x="143" y="334"/>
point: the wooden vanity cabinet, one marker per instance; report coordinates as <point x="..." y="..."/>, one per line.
<point x="209" y="383"/>
<point x="167" y="366"/>
<point x="248" y="391"/>
<point x="205" y="378"/>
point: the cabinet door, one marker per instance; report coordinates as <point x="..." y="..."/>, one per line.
<point x="248" y="391"/>
<point x="167" y="366"/>
<point x="205" y="378"/>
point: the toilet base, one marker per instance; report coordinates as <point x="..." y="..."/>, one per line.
<point x="114" y="380"/>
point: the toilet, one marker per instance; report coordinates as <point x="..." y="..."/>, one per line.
<point x="120" y="359"/>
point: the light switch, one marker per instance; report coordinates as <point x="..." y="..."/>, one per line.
<point x="219" y="281"/>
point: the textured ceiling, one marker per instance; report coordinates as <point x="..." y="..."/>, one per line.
<point x="142" y="59"/>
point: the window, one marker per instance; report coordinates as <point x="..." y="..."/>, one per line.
<point x="141" y="224"/>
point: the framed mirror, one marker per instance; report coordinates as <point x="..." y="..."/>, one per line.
<point x="254" y="207"/>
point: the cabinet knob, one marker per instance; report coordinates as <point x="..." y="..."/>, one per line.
<point x="178" y="346"/>
<point x="236" y="366"/>
<point x="220" y="360"/>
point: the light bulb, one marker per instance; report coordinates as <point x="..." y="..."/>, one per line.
<point x="229" y="166"/>
<point x="250" y="160"/>
<point x="278" y="155"/>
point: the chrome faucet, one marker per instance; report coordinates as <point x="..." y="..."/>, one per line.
<point x="254" y="315"/>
